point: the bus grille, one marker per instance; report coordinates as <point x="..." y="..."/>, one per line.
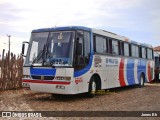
<point x="42" y="77"/>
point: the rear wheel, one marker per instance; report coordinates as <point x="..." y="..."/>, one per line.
<point x="92" y="88"/>
<point x="141" y="82"/>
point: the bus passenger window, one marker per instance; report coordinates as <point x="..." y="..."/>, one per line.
<point x="149" y="53"/>
<point x="144" y="52"/>
<point x="135" y="51"/>
<point x="115" y="49"/>
<point x="126" y="49"/>
<point x="100" y="44"/>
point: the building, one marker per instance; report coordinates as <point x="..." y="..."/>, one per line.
<point x="157" y="50"/>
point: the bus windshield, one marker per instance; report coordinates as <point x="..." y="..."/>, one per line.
<point x="51" y="49"/>
<point x="59" y="49"/>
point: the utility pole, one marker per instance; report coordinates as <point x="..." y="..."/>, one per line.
<point x="9" y="43"/>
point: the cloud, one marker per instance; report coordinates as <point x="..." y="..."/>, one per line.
<point x="132" y="18"/>
<point x="155" y="23"/>
<point x="49" y="12"/>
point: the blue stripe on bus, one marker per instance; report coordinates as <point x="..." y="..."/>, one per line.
<point x="130" y="72"/>
<point x="43" y="71"/>
<point x="85" y="70"/>
<point x="141" y="67"/>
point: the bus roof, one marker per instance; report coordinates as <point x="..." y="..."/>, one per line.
<point x="118" y="37"/>
<point x="62" y="28"/>
<point x="96" y="31"/>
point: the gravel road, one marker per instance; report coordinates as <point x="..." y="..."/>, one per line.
<point x="119" y="99"/>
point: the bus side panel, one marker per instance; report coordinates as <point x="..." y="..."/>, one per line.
<point x="136" y="71"/>
<point x="149" y="71"/>
<point x="141" y="68"/>
<point x="130" y="72"/>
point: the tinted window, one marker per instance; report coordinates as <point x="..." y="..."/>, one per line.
<point x="126" y="49"/>
<point x="149" y="53"/>
<point x="100" y="44"/>
<point x="143" y="52"/>
<point x="87" y="43"/>
<point x="115" y="47"/>
<point x="157" y="61"/>
<point x="135" y="51"/>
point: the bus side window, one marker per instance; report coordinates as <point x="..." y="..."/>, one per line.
<point x="137" y="51"/>
<point x="133" y="47"/>
<point x="149" y="53"/>
<point x="79" y="56"/>
<point x="144" y="52"/>
<point x="100" y="44"/>
<point x="126" y="49"/>
<point x="115" y="49"/>
<point x="87" y="47"/>
<point x="82" y="50"/>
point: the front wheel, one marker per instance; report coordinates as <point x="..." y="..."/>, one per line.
<point x="141" y="82"/>
<point x="92" y="88"/>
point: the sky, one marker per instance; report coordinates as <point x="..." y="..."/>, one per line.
<point x="138" y="20"/>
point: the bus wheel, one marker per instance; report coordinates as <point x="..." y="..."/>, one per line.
<point x="92" y="88"/>
<point x="141" y="82"/>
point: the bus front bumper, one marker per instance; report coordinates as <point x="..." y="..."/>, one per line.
<point x="56" y="87"/>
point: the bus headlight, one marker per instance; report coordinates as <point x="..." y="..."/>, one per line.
<point x="25" y="85"/>
<point x="26" y="76"/>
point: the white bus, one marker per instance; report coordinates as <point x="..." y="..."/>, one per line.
<point x="73" y="60"/>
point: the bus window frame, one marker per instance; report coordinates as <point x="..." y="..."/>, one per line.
<point x="120" y="48"/>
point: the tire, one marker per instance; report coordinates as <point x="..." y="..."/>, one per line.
<point x="141" y="82"/>
<point x="92" y="88"/>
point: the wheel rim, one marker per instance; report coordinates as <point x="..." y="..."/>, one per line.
<point x="93" y="87"/>
<point x="142" y="81"/>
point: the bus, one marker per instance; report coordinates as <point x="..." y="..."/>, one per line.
<point x="77" y="59"/>
<point x="157" y="67"/>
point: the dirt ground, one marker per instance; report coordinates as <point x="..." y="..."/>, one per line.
<point x="119" y="99"/>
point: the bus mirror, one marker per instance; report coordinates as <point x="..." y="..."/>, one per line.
<point x="24" y="49"/>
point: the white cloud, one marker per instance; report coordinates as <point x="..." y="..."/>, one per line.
<point x="155" y="23"/>
<point x="19" y="17"/>
<point x="49" y="12"/>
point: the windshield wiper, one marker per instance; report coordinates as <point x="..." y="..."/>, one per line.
<point x="39" y="56"/>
